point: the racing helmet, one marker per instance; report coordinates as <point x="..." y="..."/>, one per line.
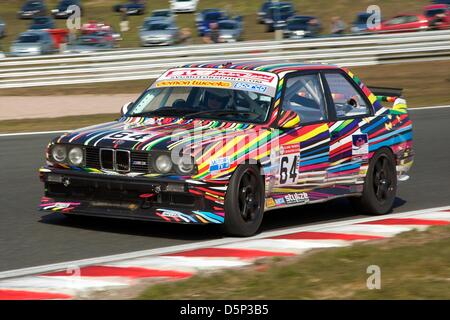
<point x="218" y="98"/>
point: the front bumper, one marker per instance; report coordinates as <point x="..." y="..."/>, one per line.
<point x="132" y="197"/>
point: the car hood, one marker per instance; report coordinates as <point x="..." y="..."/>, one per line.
<point x="145" y="134"/>
<point x="156" y="33"/>
<point x="227" y="32"/>
<point x="31" y="45"/>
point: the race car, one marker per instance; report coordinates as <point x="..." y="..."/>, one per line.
<point x="222" y="143"/>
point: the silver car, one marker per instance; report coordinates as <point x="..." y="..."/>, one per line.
<point x="31" y="43"/>
<point x="230" y="30"/>
<point x="158" y="32"/>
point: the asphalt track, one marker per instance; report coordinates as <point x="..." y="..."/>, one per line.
<point x="30" y="238"/>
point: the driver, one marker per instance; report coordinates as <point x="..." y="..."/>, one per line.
<point x="217" y="99"/>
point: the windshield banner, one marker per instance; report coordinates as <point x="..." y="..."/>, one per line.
<point x="255" y="81"/>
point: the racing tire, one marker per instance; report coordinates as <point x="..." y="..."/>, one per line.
<point x="380" y="185"/>
<point x="244" y="202"/>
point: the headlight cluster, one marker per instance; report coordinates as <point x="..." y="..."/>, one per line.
<point x="163" y="163"/>
<point x="69" y="155"/>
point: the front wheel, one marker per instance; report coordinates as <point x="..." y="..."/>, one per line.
<point x="244" y="202"/>
<point x="380" y="185"/>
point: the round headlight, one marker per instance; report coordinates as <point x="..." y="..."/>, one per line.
<point x="59" y="153"/>
<point x="163" y="164"/>
<point x="76" y="156"/>
<point x="186" y="166"/>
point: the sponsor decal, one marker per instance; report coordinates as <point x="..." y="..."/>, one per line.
<point x="194" y="83"/>
<point x="235" y="75"/>
<point x="270" y="203"/>
<point x="280" y="201"/>
<point x="360" y="144"/>
<point x="293" y="198"/>
<point x="250" y="87"/>
<point x="290" y="149"/>
<point x="219" y="164"/>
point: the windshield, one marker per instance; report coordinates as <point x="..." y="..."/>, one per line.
<point x="227" y="25"/>
<point x="41" y="20"/>
<point x="160" y="13"/>
<point x="362" y="19"/>
<point x="213" y="16"/>
<point x="156" y="26"/>
<point x="298" y="23"/>
<point x="90" y="41"/>
<point x="28" y="39"/>
<point x="203" y="103"/>
<point x="433" y="12"/>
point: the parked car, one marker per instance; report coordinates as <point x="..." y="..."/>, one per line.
<point x="447" y="2"/>
<point x="208" y="16"/>
<point x="438" y="16"/>
<point x="42" y="23"/>
<point x="33" y="42"/>
<point x="361" y="24"/>
<point x="230" y="30"/>
<point x="277" y="15"/>
<point x="183" y="5"/>
<point x="405" y="23"/>
<point x="2" y="28"/>
<point x="134" y="7"/>
<point x="32" y="8"/>
<point x="94" y="26"/>
<point x="62" y="10"/>
<point x="158" y="32"/>
<point x="94" y="41"/>
<point x="299" y="27"/>
<point x="210" y="143"/>
<point x="165" y="14"/>
<point x="262" y="13"/>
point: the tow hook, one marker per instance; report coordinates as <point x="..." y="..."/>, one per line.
<point x="147" y="198"/>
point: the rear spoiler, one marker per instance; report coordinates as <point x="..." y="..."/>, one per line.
<point x="386" y="94"/>
<point x="390" y="95"/>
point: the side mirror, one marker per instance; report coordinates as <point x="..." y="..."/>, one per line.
<point x="288" y="119"/>
<point x="125" y="108"/>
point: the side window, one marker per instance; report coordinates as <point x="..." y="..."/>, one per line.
<point x="347" y="100"/>
<point x="304" y="95"/>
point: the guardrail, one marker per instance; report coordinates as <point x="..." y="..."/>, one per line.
<point x="137" y="64"/>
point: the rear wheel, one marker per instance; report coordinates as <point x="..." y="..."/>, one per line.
<point x="244" y="202"/>
<point x="380" y="185"/>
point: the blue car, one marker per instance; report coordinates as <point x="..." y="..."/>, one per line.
<point x="62" y="10"/>
<point x="41" y="23"/>
<point x="277" y="15"/>
<point x="262" y="13"/>
<point x="208" y="16"/>
<point x="31" y="9"/>
<point x="360" y="25"/>
<point x="133" y="7"/>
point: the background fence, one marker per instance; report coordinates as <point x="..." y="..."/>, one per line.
<point x="136" y="64"/>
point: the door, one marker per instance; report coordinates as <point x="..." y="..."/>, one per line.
<point x="349" y="146"/>
<point x="304" y="150"/>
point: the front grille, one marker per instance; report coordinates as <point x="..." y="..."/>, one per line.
<point x="107" y="159"/>
<point x="139" y="162"/>
<point x="122" y="160"/>
<point x="92" y="158"/>
<point x="125" y="161"/>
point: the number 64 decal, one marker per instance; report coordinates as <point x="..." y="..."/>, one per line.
<point x="289" y="169"/>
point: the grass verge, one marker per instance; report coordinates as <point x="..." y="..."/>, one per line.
<point x="414" y="265"/>
<point x="50" y="124"/>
